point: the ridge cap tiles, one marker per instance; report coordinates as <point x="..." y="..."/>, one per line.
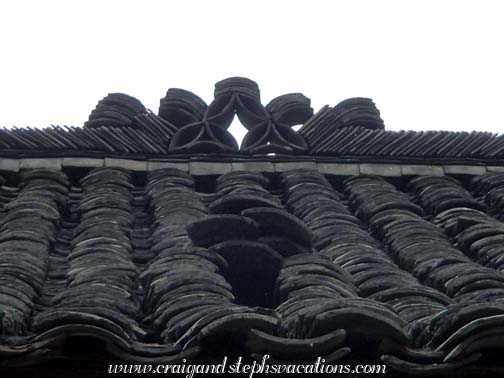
<point x="121" y="125"/>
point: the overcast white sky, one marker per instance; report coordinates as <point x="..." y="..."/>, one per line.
<point x="426" y="64"/>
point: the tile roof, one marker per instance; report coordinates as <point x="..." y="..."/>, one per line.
<point x="155" y="238"/>
<point x="164" y="266"/>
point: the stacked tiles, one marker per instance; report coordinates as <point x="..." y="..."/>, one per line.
<point x="240" y="190"/>
<point x="58" y="265"/>
<point x="348" y="254"/>
<point x="340" y="238"/>
<point x="188" y="300"/>
<point x="237" y="85"/>
<point x="359" y="140"/>
<point x="27" y="231"/>
<point x="437" y="194"/>
<point x="152" y="137"/>
<point x="417" y="245"/>
<point x="353" y="112"/>
<point x="308" y="289"/>
<point x="173" y="204"/>
<point x="410" y="304"/>
<point x="423" y="248"/>
<point x="116" y="109"/>
<point x="358" y="111"/>
<point x="7" y="194"/>
<point x="141" y="230"/>
<point x="491" y="187"/>
<point x="124" y="124"/>
<point x="309" y="196"/>
<point x="308" y="283"/>
<point x="477" y="234"/>
<point x="181" y="107"/>
<point x="481" y="235"/>
<point x="182" y="285"/>
<point x="290" y="109"/>
<point x="100" y="299"/>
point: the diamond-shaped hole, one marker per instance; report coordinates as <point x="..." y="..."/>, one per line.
<point x="237" y="130"/>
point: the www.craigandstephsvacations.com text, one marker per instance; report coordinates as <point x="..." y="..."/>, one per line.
<point x="248" y="369"/>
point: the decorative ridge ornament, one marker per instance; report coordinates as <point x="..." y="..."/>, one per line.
<point x="274" y="134"/>
<point x="204" y="128"/>
<point x="116" y="109"/>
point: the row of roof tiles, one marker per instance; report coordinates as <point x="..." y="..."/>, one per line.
<point x="345" y="142"/>
<point x="163" y="273"/>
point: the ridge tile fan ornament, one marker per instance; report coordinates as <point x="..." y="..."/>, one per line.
<point x="120" y="122"/>
<point x="116" y="109"/>
<point x="204" y="129"/>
